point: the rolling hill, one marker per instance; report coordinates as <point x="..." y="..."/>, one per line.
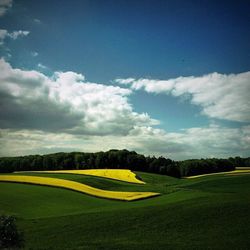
<point x="211" y="212"/>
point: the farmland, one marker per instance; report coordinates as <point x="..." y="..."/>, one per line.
<point x="212" y="211"/>
<point x="72" y="185"/>
<point x="116" y="174"/>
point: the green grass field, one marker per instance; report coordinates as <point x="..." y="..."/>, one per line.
<point x="205" y="213"/>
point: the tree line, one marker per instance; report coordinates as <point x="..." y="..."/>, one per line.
<point x="120" y="159"/>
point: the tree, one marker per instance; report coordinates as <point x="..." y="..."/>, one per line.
<point x="10" y="236"/>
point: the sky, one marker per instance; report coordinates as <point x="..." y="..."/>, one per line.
<point x="161" y="77"/>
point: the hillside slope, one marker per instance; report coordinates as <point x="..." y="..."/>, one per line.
<point x="204" y="213"/>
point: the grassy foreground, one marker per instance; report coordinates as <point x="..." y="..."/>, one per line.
<point x="211" y="212"/>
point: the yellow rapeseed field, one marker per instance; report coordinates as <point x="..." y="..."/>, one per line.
<point x="47" y="181"/>
<point x="234" y="172"/>
<point x="239" y="172"/>
<point x="116" y="174"/>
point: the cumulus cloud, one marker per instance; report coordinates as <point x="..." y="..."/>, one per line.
<point x="64" y="102"/>
<point x="12" y="35"/>
<point x="220" y="96"/>
<point x="4" y="6"/>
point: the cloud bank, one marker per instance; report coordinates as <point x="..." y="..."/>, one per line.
<point x="220" y="96"/>
<point x="65" y="112"/>
<point x="210" y="141"/>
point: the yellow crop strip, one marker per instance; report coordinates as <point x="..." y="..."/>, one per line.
<point x="116" y="174"/>
<point x="239" y="172"/>
<point x="202" y="175"/>
<point x="234" y="172"/>
<point x="54" y="182"/>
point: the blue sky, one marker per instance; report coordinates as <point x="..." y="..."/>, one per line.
<point x="188" y="61"/>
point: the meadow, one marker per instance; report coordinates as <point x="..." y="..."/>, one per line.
<point x="210" y="212"/>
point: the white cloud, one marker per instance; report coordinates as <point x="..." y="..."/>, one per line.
<point x="197" y="142"/>
<point x="4" y="6"/>
<point x="3" y="34"/>
<point x="12" y="35"/>
<point x="220" y="96"/>
<point x="210" y="141"/>
<point x="34" y="53"/>
<point x="18" y="33"/>
<point x="125" y="81"/>
<point x="150" y="86"/>
<point x="41" y="66"/>
<point x="66" y="103"/>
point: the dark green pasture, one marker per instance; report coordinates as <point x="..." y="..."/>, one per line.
<point x="210" y="212"/>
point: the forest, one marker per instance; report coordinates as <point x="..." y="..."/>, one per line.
<point x="121" y="159"/>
